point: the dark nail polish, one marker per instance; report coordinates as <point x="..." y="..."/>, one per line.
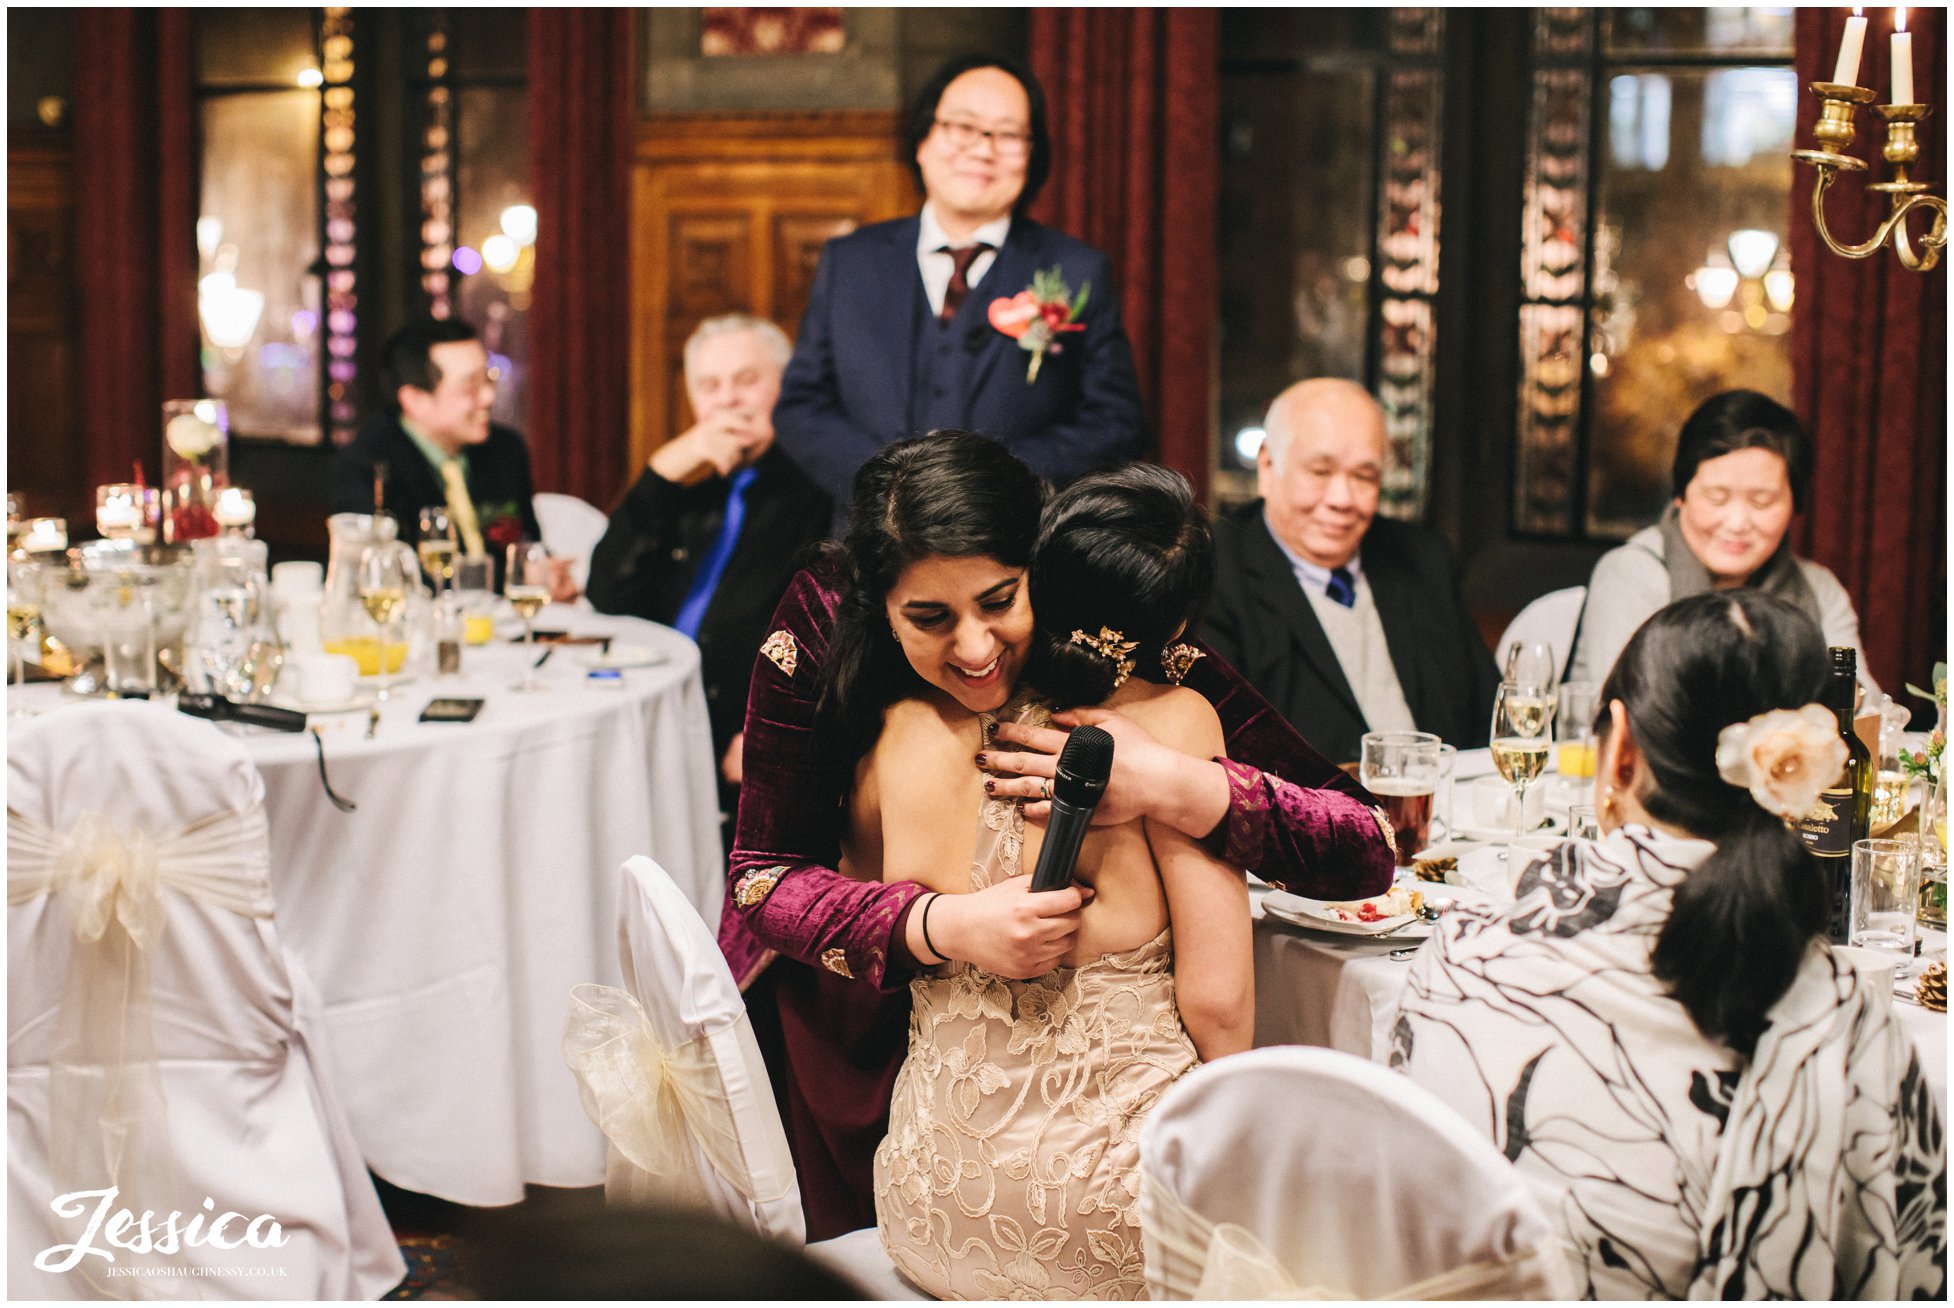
<point x="990" y="785"/>
<point x="983" y="760"/>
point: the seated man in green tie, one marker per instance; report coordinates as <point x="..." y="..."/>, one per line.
<point x="434" y="447"/>
<point x="712" y="531"/>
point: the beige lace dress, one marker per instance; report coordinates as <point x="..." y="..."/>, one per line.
<point x="1011" y="1167"/>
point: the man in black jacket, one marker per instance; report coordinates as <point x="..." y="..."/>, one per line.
<point x="712" y="531"/>
<point x="433" y="446"/>
<point x="1347" y="622"/>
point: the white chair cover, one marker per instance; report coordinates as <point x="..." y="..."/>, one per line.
<point x="571" y="529"/>
<point x="159" y="1041"/>
<point x="1302" y="1173"/>
<point x="1551" y="618"/>
<point x="671" y="1072"/>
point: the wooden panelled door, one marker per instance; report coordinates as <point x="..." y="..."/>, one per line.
<point x="729" y="214"/>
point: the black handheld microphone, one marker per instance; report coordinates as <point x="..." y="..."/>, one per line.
<point x="219" y="708"/>
<point x="1083" y="767"/>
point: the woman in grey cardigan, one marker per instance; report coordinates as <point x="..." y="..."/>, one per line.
<point x="1743" y="466"/>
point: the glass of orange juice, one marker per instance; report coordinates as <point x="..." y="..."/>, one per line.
<point x="474" y="582"/>
<point x="1574" y="732"/>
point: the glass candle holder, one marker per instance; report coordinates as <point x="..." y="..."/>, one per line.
<point x="123" y="512"/>
<point x="196" y="466"/>
<point x="39" y="535"/>
<point x="235" y="510"/>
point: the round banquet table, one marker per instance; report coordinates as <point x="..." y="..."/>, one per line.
<point x="444" y="922"/>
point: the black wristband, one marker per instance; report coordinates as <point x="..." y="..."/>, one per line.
<point x="929" y="944"/>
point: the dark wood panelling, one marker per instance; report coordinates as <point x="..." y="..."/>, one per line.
<point x="45" y="458"/>
<point x="729" y="214"/>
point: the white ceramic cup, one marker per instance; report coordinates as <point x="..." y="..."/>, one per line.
<point x="298" y="577"/>
<point x="326" y="678"/>
<point x="1492" y="805"/>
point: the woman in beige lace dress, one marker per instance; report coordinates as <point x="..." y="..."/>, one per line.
<point x="1011" y="1165"/>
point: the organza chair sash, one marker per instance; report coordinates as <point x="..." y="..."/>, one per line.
<point x="109" y="1123"/>
<point x="660" y="1108"/>
<point x="1190" y="1257"/>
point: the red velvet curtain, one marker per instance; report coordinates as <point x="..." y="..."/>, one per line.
<point x="135" y="232"/>
<point x="1869" y="365"/>
<point x="581" y="122"/>
<point x="1133" y="104"/>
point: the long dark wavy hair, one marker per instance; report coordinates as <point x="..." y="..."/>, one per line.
<point x="950" y="494"/>
<point x="1740" y="923"/>
<point x="1127" y="549"/>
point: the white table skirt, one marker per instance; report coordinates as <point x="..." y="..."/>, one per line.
<point x="1341" y="992"/>
<point x="446" y="920"/>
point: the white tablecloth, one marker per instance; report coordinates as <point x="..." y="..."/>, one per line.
<point x="446" y="920"/>
<point x="1314" y="988"/>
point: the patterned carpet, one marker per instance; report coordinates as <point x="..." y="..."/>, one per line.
<point x="435" y="1235"/>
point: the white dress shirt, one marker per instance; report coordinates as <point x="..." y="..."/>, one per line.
<point x="938" y="267"/>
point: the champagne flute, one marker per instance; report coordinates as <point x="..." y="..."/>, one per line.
<point x="526" y="585"/>
<point x="1522" y="714"/>
<point x="386" y="570"/>
<point x="437" y="547"/>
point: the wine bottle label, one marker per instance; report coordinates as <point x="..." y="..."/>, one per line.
<point x="1827" y="829"/>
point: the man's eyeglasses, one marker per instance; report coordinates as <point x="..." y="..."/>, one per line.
<point x="964" y="136"/>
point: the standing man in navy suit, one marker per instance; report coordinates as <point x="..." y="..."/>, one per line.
<point x="899" y="338"/>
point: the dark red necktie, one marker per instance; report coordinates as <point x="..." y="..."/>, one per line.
<point x="959" y="287"/>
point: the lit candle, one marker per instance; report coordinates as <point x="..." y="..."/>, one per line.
<point x="117" y="513"/>
<point x="1847" y="72"/>
<point x="235" y="507"/>
<point x="1902" y="59"/>
<point x="45" y="534"/>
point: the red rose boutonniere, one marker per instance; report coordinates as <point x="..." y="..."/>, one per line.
<point x="1035" y="317"/>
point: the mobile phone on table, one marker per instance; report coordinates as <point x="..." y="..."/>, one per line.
<point x="451" y="710"/>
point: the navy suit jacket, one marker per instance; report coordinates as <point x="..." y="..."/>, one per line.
<point x="1259" y="620"/>
<point x="846" y="393"/>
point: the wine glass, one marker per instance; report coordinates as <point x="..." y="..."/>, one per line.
<point x="1522" y="715"/>
<point x="23" y="614"/>
<point x="386" y="571"/>
<point x="526" y="585"/>
<point x="1532" y="663"/>
<point x="437" y="547"/>
<point x="1933" y="853"/>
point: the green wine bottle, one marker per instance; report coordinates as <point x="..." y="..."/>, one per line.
<point x="1844" y="810"/>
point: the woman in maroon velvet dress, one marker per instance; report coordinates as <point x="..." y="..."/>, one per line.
<point x="832" y="1013"/>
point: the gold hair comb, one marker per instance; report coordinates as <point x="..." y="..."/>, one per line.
<point x="1113" y="646"/>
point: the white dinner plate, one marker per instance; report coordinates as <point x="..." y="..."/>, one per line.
<point x="1319" y="915"/>
<point x="621" y="656"/>
<point x="1552" y="825"/>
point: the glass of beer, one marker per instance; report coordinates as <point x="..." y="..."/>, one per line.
<point x="1401" y="769"/>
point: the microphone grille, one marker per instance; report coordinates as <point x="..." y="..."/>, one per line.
<point x="1084" y="765"/>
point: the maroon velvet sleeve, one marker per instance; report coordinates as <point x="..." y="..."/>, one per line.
<point x="783" y="894"/>
<point x="1295" y="819"/>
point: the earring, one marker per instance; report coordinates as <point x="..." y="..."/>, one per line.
<point x="1609" y="811"/>
<point x="896" y="634"/>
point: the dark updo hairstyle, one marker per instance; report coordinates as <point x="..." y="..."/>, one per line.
<point x="922" y="120"/>
<point x="1740" y="923"/>
<point x="1743" y="420"/>
<point x="951" y="494"/>
<point x="1127" y="549"/>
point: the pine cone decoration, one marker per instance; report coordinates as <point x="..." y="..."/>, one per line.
<point x="1931" y="989"/>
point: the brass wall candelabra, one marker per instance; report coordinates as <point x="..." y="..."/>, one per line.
<point x="1839" y="104"/>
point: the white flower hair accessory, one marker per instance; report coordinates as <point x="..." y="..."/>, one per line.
<point x="1785" y="758"/>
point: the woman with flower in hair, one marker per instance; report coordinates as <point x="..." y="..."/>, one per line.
<point x="1011" y="1163"/>
<point x="1709" y="1101"/>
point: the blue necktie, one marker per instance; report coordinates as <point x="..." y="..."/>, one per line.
<point x="713" y="566"/>
<point x="1342" y="587"/>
